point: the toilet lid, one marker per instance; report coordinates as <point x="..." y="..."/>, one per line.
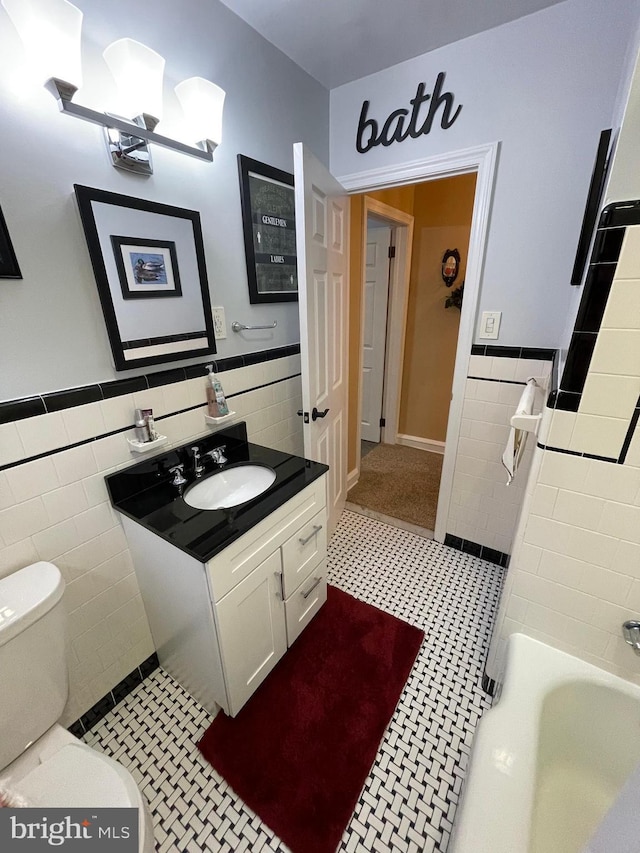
<point x="77" y="776"/>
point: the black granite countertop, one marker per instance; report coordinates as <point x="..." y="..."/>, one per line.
<point x="144" y="492"/>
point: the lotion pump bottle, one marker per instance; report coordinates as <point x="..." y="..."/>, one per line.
<point x="216" y="401"/>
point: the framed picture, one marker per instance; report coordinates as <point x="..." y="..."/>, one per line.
<point x="147" y="268"/>
<point x="269" y="222"/>
<point x="8" y="262"/>
<point x="162" y="255"/>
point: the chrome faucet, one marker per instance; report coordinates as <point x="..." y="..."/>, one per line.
<point x="198" y="465"/>
<point x="178" y="478"/>
<point x="217" y="454"/>
<point x="631" y="634"/>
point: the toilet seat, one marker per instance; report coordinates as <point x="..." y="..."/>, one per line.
<point x="76" y="776"/>
<point x="61" y="771"/>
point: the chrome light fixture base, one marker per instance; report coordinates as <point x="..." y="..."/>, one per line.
<point x="127" y="150"/>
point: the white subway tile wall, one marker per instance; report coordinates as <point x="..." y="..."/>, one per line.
<point x="483" y="508"/>
<point x="56" y="508"/>
<point x="574" y="576"/>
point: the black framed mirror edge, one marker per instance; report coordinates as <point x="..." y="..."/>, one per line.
<point x="85" y="196"/>
<point x="9" y="268"/>
<point x="246" y="165"/>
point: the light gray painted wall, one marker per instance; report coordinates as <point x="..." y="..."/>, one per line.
<point x="52" y="333"/>
<point x="544" y="87"/>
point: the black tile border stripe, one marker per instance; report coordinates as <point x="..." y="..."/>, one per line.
<point x="630" y="433"/>
<point x="108" y="702"/>
<point x="503" y="381"/>
<point x="476" y="550"/>
<point x="41" y="404"/>
<point x="127" y="428"/>
<point x="578" y="453"/>
<point x="164" y="339"/>
<point x="538" y="353"/>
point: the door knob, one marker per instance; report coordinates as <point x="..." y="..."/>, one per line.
<point x="315" y="414"/>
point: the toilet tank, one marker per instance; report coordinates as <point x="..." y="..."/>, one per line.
<point x="33" y="668"/>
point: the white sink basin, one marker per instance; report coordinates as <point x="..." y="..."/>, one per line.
<point x="230" y="488"/>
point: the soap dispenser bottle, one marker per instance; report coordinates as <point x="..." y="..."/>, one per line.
<point x="216" y="402"/>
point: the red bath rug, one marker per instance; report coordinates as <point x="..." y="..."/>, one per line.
<point x="300" y="750"/>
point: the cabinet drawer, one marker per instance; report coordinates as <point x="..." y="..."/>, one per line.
<point x="303" y="550"/>
<point x="239" y="559"/>
<point x="305" y="602"/>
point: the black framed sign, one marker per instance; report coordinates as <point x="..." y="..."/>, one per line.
<point x="8" y="262"/>
<point x="268" y="218"/>
<point x="161" y="255"/>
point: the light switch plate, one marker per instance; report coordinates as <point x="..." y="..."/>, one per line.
<point x="219" y="323"/>
<point x="490" y="325"/>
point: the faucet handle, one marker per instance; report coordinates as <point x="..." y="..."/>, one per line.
<point x="631" y="634"/>
<point x="178" y="478"/>
<point x="196" y="451"/>
<point x="217" y="454"/>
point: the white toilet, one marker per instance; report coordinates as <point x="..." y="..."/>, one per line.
<point x="39" y="760"/>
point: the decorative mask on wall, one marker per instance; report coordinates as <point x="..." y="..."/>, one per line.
<point x="450" y="266"/>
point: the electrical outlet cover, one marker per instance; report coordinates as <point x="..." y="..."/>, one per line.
<point x="219" y="323"/>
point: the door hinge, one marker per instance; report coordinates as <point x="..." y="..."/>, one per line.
<point x="392" y="251"/>
<point x="382" y="422"/>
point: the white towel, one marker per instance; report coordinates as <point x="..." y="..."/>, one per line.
<point x="517" y="437"/>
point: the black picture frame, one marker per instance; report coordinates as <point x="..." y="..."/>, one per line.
<point x="148" y="331"/>
<point x="592" y="206"/>
<point x="9" y="267"/>
<point x="148" y="283"/>
<point x="268" y="218"/>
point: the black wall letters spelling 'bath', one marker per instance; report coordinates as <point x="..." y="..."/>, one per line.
<point x="393" y="130"/>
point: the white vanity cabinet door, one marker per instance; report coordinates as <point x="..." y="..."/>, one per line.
<point x="251" y="630"/>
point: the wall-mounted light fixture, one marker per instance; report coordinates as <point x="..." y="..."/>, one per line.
<point x="51" y="32"/>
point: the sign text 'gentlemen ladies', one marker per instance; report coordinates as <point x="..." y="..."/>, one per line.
<point x="394" y="130"/>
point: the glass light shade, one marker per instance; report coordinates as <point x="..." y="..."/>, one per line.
<point x="202" y="102"/>
<point x="51" y="31"/>
<point x="138" y="73"/>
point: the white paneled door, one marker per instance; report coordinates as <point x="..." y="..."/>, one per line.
<point x="322" y="229"/>
<point x="376" y="296"/>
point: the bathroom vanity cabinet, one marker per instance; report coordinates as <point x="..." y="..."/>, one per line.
<point x="221" y="626"/>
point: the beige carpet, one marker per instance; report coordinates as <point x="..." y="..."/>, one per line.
<point x="400" y="482"/>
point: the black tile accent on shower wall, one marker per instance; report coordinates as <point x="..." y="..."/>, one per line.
<point x="119" y="692"/>
<point x="476" y="550"/>
<point x="119" y="387"/>
<point x="578" y="360"/>
<point x="620" y="213"/>
<point x="596" y="291"/>
<point x="565" y="400"/>
<point x="18" y="410"/>
<point x="607" y="245"/>
<point x="60" y="400"/>
<point x="630" y="432"/>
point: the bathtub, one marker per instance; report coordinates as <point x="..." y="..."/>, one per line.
<point x="550" y="758"/>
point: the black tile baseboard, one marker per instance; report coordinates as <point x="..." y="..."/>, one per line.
<point x="488" y="685"/>
<point x="491" y="555"/>
<point x="117" y="694"/>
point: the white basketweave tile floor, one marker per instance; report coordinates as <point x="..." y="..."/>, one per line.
<point x="409" y="798"/>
